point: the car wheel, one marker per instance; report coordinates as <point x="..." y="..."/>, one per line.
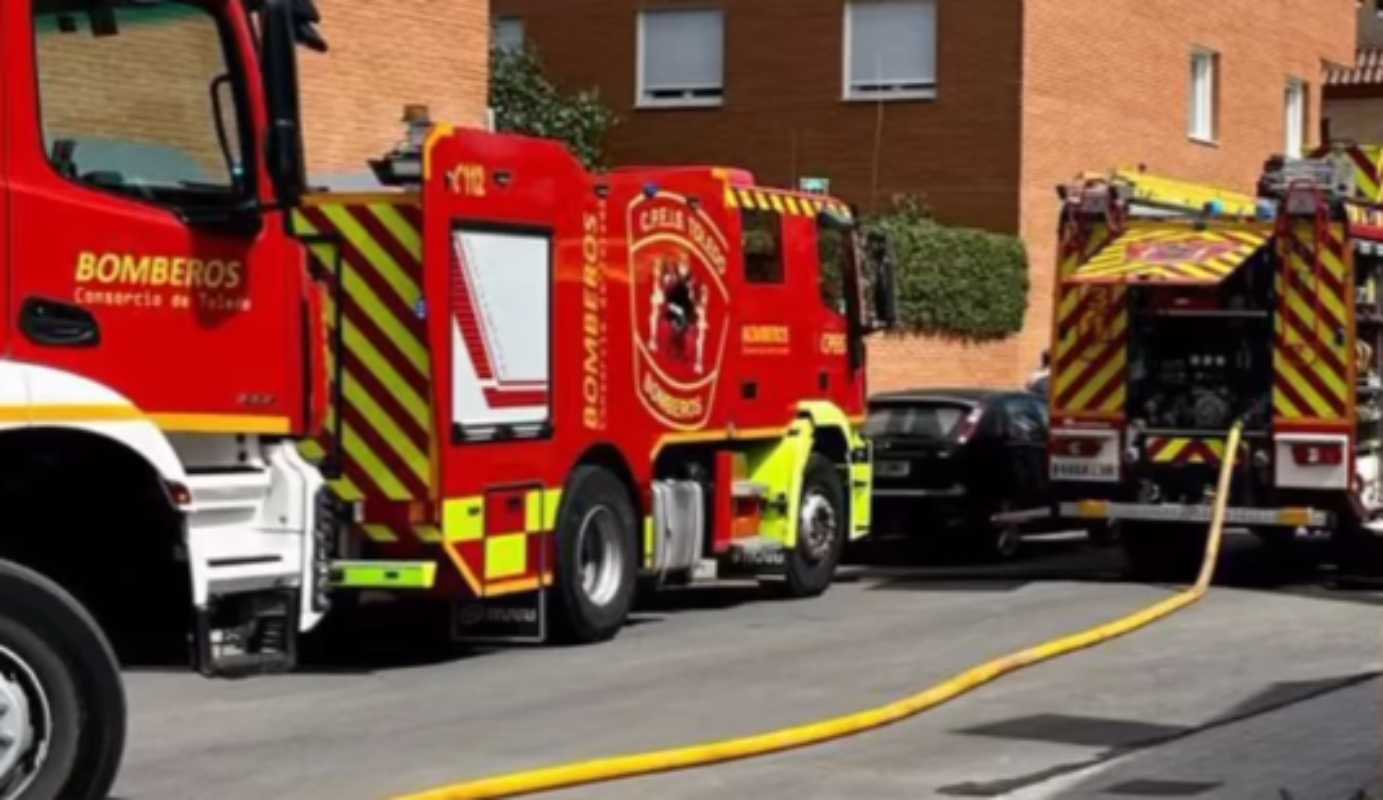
<point x="1003" y="540"/>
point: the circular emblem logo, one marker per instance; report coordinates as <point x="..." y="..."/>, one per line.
<point x="679" y="305"/>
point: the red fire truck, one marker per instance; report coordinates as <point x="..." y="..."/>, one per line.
<point x="526" y="385"/>
<point x="553" y="383"/>
<point x="1182" y="309"/>
<point x="162" y="354"/>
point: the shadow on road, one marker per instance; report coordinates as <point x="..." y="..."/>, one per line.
<point x="1246" y="563"/>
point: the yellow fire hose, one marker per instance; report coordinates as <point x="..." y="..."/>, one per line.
<point x="627" y="766"/>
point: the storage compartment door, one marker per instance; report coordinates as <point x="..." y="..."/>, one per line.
<point x="501" y="333"/>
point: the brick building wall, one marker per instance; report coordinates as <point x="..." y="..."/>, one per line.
<point x="782" y="114"/>
<point x="384" y="55"/>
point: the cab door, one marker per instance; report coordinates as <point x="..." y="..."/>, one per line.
<point x="138" y="260"/>
<point x="764" y="335"/>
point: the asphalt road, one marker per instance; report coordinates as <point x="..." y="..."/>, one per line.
<point x="1270" y="684"/>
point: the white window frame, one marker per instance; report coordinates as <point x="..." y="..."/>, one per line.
<point x="1296" y="112"/>
<point x="850" y="94"/>
<point x="1209" y="132"/>
<point x="641" y="97"/>
<point x="510" y="19"/>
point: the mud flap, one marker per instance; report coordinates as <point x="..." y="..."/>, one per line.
<point x="512" y="618"/>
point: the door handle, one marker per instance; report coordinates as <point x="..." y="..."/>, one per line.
<point x="55" y="324"/>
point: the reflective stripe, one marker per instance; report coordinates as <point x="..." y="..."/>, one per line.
<point x="382" y="534"/>
<point x="463" y="519"/>
<point x="506" y="556"/>
<point x="384" y="574"/>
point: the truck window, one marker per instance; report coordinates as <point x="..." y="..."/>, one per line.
<point x="831" y="244"/>
<point x="130" y="94"/>
<point x="763" y="247"/>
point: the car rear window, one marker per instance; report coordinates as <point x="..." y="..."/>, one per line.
<point x="916" y="420"/>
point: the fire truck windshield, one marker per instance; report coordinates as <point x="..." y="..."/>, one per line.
<point x="137" y="98"/>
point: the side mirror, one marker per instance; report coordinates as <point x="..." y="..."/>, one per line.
<point x="286" y="162"/>
<point x="883" y="276"/>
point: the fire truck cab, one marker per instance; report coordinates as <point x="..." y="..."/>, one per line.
<point x="160" y="351"/>
<point x="1183" y="309"/>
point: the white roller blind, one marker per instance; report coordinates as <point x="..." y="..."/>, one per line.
<point x="683" y="54"/>
<point x="1296" y="118"/>
<point x="1203" y="66"/>
<point x="892" y="46"/>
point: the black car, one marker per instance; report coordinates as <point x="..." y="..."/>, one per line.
<point x="947" y="460"/>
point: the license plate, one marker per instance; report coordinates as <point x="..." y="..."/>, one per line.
<point x="1084" y="471"/>
<point x="892" y="469"/>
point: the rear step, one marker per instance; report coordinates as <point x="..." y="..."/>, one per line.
<point x="247" y="634"/>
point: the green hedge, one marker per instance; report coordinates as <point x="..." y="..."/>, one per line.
<point x="956" y="282"/>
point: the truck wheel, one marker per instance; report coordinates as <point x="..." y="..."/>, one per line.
<point x="1162" y="553"/>
<point x="62" y="732"/>
<point x="821" y="530"/>
<point x="1359" y="551"/>
<point x="597" y="558"/>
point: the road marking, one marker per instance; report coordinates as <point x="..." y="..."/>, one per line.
<point x="627" y="766"/>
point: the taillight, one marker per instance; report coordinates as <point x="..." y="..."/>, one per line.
<point x="1324" y="454"/>
<point x="1076" y="446"/>
<point x="968" y="426"/>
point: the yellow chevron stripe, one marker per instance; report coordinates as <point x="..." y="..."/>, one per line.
<point x="1283" y="406"/>
<point x="1304" y="307"/>
<point x="409" y="237"/>
<point x="429" y="534"/>
<point x="379" y="533"/>
<point x="730" y="199"/>
<point x="370" y="463"/>
<point x="388" y="430"/>
<point x="384" y="372"/>
<point x="388" y="269"/>
<point x="1285" y="371"/>
<point x="1115" y="403"/>
<point x="1323" y="331"/>
<point x="747" y="199"/>
<point x="341" y="487"/>
<point x="1171" y="451"/>
<point x="777" y="203"/>
<point x="1062" y="381"/>
<point x="378" y="313"/>
<point x="793" y="208"/>
<point x="1108" y="373"/>
<point x="762" y="200"/>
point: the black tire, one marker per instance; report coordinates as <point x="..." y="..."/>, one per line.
<point x="593" y="609"/>
<point x="1163" y="552"/>
<point x="53" y="650"/>
<point x="998" y="542"/>
<point x="1359" y="552"/>
<point x="810" y="566"/>
<point x="1103" y="534"/>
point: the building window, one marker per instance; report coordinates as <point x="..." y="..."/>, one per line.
<point x="1297" y="102"/>
<point x="509" y="34"/>
<point x="681" y="58"/>
<point x="890" y="49"/>
<point x="1205" y="79"/>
